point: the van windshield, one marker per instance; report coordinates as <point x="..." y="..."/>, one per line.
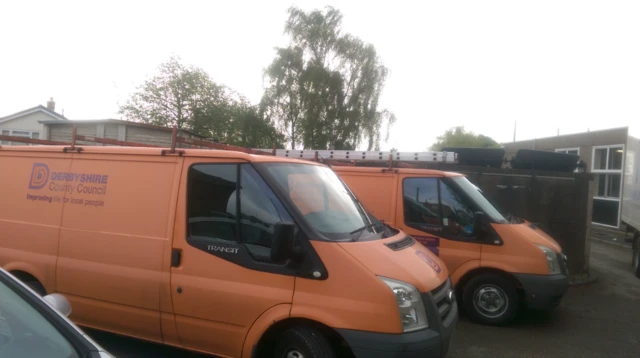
<point x="324" y="201"/>
<point x="480" y="200"/>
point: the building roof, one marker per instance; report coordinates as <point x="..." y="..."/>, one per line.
<point x="568" y="135"/>
<point x="39" y="108"/>
<point x="119" y="121"/>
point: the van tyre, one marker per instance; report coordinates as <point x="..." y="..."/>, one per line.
<point x="36" y="286"/>
<point x="490" y="299"/>
<point x="303" y="342"/>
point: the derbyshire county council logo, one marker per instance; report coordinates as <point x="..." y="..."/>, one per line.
<point x="429" y="261"/>
<point x="39" y="176"/>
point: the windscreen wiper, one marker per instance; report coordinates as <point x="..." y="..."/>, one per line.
<point x="364" y="228"/>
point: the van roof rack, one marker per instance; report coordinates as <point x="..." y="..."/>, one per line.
<point x="369" y="158"/>
<point x="331" y="157"/>
<point x="440" y="157"/>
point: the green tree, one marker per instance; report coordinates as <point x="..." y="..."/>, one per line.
<point x="174" y="96"/>
<point x="186" y="97"/>
<point x="325" y="87"/>
<point x="283" y="99"/>
<point x="459" y="137"/>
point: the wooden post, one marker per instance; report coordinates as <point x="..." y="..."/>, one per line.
<point x="73" y="137"/>
<point x="74" y="134"/>
<point x="174" y="138"/>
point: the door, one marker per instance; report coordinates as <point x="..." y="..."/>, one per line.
<point x="439" y="216"/>
<point x="222" y="278"/>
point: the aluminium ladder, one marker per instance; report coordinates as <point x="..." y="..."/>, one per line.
<point x="432" y="157"/>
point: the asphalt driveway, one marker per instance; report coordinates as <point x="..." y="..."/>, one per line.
<point x="600" y="319"/>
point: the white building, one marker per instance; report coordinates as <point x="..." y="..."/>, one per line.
<point x="28" y="124"/>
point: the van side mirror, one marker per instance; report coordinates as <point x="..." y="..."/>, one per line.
<point x="282" y="245"/>
<point x="479" y="225"/>
<point x="59" y="303"/>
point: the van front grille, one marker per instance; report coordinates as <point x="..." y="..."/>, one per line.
<point x="562" y="260"/>
<point x="407" y="241"/>
<point x="444" y="301"/>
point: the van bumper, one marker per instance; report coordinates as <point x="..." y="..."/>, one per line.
<point x="425" y="343"/>
<point x="442" y="316"/>
<point x="543" y="292"/>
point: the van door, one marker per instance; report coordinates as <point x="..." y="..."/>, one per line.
<point x="435" y="213"/>
<point x="222" y="278"/>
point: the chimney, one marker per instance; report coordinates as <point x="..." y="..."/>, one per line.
<point x="51" y="105"/>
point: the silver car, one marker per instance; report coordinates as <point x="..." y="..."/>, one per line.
<point x="35" y="326"/>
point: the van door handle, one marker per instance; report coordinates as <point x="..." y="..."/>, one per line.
<point x="176" y="257"/>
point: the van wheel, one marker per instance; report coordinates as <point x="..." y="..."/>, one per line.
<point x="490" y="299"/>
<point x="303" y="342"/>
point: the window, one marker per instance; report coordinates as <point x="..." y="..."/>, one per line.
<point x="457" y="215"/>
<point x="421" y="201"/>
<point x="600" y="159"/>
<point x="213" y="213"/>
<point x="608" y="185"/>
<point x="432" y="202"/>
<point x="609" y="158"/>
<point x="210" y="190"/>
<point x="19" y="133"/>
<point x="607" y="169"/>
<point x="575" y="151"/>
<point x="258" y="213"/>
<point x="615" y="159"/>
<point x="5" y="132"/>
<point x="26" y="332"/>
<point x="324" y="201"/>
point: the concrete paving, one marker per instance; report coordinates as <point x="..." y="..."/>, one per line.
<point x="600" y="319"/>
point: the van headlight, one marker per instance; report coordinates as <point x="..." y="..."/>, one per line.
<point x="552" y="259"/>
<point x="412" y="313"/>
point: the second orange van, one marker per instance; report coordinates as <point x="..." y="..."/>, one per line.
<point x="496" y="264"/>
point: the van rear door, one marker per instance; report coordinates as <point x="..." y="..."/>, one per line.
<point x="222" y="278"/>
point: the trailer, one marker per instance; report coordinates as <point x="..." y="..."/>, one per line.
<point x="630" y="214"/>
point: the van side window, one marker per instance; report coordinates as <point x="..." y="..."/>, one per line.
<point x="260" y="210"/>
<point x="211" y="188"/>
<point x="431" y="205"/>
<point x="457" y="215"/>
<point x="421" y="202"/>
<point x="214" y="215"/>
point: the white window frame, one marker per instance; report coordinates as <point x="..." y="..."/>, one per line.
<point x="564" y="150"/>
<point x="11" y="130"/>
<point x="609" y="171"/>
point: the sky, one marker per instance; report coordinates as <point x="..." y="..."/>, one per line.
<point x="552" y="66"/>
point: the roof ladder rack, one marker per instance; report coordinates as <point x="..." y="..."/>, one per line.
<point x="432" y="157"/>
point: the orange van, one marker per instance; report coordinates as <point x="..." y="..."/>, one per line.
<point x="496" y="264"/>
<point x="222" y="252"/>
